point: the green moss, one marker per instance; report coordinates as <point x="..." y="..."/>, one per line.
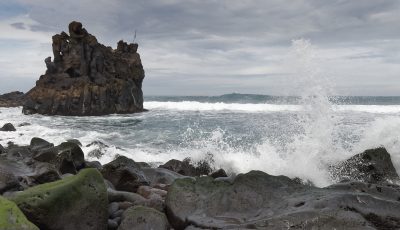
<point x="11" y="217"/>
<point x="69" y="196"/>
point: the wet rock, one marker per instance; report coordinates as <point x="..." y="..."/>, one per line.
<point x="116" y="214"/>
<point x="76" y="202"/>
<point x="8" y="181"/>
<point x="87" y="78"/>
<point x="70" y="158"/>
<point x="75" y="141"/>
<point x="112" y="208"/>
<point x="46" y="155"/>
<point x="8" y="128"/>
<point x="93" y="164"/>
<point x="218" y="173"/>
<point x="13" y="99"/>
<point x="24" y="124"/>
<point x="186" y="168"/>
<point x="11" y="217"/>
<point x="39" y="143"/>
<point x="371" y="166"/>
<point x="95" y="153"/>
<point x="44" y="173"/>
<point x="124" y="174"/>
<point x="2" y="149"/>
<point x="125" y="205"/>
<point x="160" y="176"/>
<point x="112" y="224"/>
<point x="122" y="196"/>
<point x="147" y="192"/>
<point x="140" y="217"/>
<point x="259" y="201"/>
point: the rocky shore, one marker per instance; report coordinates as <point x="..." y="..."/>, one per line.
<point x="47" y="186"/>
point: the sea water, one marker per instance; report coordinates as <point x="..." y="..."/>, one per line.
<point x="281" y="135"/>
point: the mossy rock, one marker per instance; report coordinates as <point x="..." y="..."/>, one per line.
<point x="140" y="217"/>
<point x="11" y="217"/>
<point x="76" y="202"/>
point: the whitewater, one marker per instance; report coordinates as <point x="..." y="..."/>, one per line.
<point x="238" y="137"/>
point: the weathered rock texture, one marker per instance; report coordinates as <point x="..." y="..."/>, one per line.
<point x="257" y="200"/>
<point x="56" y="205"/>
<point x="88" y="78"/>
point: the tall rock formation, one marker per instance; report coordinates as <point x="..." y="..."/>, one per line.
<point x="87" y="78"/>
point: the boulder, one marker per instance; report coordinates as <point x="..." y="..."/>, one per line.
<point x="39" y="143"/>
<point x="8" y="181"/>
<point x="8" y="128"/>
<point x="160" y="176"/>
<point x="12" y="99"/>
<point x="256" y="200"/>
<point x="11" y="217"/>
<point x="186" y="168"/>
<point x="218" y="173"/>
<point x="124" y="174"/>
<point x="87" y="78"/>
<point x="70" y="158"/>
<point x="371" y="166"/>
<point x="75" y="202"/>
<point x="145" y="218"/>
<point x="2" y="149"/>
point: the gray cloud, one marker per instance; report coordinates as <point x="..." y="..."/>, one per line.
<point x="18" y="25"/>
<point x="203" y="46"/>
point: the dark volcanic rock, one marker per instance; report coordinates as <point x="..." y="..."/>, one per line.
<point x="257" y="200"/>
<point x="124" y="174"/>
<point x="13" y="99"/>
<point x="8" y="128"/>
<point x="371" y="166"/>
<point x="70" y="158"/>
<point x="88" y="78"/>
<point x="186" y="168"/>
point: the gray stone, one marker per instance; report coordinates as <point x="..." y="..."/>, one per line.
<point x="160" y="175"/>
<point x="8" y="128"/>
<point x="112" y="208"/>
<point x="257" y="200"/>
<point x="124" y="174"/>
<point x="143" y="218"/>
<point x="371" y="166"/>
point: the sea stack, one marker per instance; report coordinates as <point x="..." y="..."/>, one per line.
<point x="87" y="78"/>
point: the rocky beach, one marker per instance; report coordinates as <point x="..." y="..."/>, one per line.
<point x="84" y="149"/>
<point x="44" y="186"/>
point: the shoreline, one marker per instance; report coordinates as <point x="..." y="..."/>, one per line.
<point x="169" y="196"/>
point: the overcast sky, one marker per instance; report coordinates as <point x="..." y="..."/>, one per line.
<point x="212" y="47"/>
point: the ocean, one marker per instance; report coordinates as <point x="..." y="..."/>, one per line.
<point x="292" y="136"/>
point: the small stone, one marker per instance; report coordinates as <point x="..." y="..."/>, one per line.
<point x="116" y="214"/>
<point x="112" y="208"/>
<point x="125" y="205"/>
<point x="112" y="224"/>
<point x="140" y="217"/>
<point x="8" y="128"/>
<point x="218" y="173"/>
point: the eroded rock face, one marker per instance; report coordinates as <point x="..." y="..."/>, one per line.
<point x="87" y="78"/>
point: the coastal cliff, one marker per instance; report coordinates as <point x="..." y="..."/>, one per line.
<point x="87" y="78"/>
